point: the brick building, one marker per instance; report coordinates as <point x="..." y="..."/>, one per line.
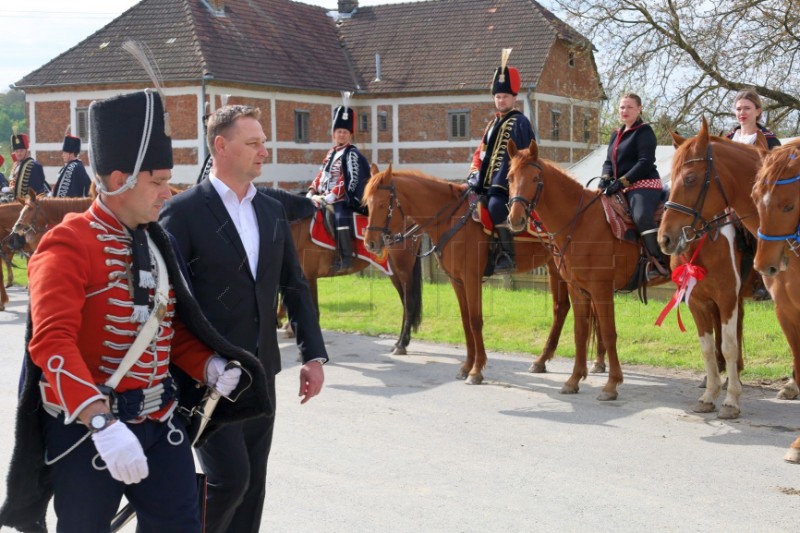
<point x="419" y="72"/>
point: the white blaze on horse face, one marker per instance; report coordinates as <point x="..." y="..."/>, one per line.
<point x="765" y="200"/>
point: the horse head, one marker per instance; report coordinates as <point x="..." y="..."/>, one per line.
<point x="691" y="199"/>
<point x="524" y="184"/>
<point x="776" y="193"/>
<point x="380" y="199"/>
<point x="30" y="225"/>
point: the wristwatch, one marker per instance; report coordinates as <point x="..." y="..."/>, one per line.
<point x="100" y="421"/>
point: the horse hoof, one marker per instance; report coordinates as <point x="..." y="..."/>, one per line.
<point x="703" y="383"/>
<point x="728" y="412"/>
<point x="538" y="368"/>
<point x="462" y="374"/>
<point x="474" y="380"/>
<point x="704" y="407"/>
<point x="399" y="350"/>
<point x="569" y="389"/>
<point x="607" y="396"/>
<point x="787" y="394"/>
<point x="598" y="368"/>
<point x="792" y="456"/>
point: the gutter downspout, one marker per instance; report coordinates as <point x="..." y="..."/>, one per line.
<point x="534" y="111"/>
<point x="206" y="78"/>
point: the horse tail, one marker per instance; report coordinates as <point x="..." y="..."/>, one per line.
<point x="415" y="295"/>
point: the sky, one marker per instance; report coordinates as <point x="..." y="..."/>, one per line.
<point x="36" y="31"/>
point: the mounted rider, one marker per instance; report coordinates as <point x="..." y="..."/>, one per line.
<point x="27" y="173"/>
<point x="489" y="171"/>
<point x="73" y="181"/>
<point x="341" y="180"/>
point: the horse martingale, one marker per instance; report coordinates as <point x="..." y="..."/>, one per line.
<point x="691" y="232"/>
<point x="792" y="239"/>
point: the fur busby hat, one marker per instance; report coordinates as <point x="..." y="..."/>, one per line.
<point x="117" y="127"/>
<point x="71" y="144"/>
<point x="343" y="116"/>
<point x="506" y="79"/>
<point x="20" y="141"/>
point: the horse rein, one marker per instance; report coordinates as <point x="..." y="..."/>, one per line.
<point x="31" y="228"/>
<point x="792" y="239"/>
<point x="691" y="232"/>
<point x="415" y="231"/>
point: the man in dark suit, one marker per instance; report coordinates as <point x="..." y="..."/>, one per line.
<point x="240" y="256"/>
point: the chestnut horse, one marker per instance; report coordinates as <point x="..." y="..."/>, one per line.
<point x="9" y="212"/>
<point x="40" y="214"/>
<point x="776" y="195"/>
<point x="441" y="209"/>
<point x="317" y="262"/>
<point x="589" y="257"/>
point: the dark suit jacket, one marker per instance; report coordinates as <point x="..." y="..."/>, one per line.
<point x="240" y="304"/>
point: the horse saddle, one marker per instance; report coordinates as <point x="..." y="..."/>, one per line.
<point x="534" y="232"/>
<point x="618" y="216"/>
<point x="321" y="235"/>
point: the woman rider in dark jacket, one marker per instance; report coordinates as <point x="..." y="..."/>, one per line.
<point x="630" y="167"/>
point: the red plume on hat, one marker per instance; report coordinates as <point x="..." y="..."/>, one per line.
<point x="506" y="79"/>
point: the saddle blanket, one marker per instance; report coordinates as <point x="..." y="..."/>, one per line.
<point x="533" y="233"/>
<point x="321" y="237"/>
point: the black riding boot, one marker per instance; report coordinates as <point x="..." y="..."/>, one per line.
<point x="504" y="262"/>
<point x="650" y="239"/>
<point x="345" y="248"/>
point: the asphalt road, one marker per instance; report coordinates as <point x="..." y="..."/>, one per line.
<point x="396" y="444"/>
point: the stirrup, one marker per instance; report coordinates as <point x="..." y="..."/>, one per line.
<point x="504" y="264"/>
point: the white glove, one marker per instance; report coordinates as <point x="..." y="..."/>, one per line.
<point x="318" y="199"/>
<point x="5" y="189"/>
<point x="122" y="453"/>
<point x="330" y="198"/>
<point x="223" y="380"/>
<point x="310" y="194"/>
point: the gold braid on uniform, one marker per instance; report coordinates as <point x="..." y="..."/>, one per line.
<point x="21" y="185"/>
<point x="500" y="146"/>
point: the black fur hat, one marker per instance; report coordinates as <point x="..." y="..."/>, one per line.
<point x="71" y="145"/>
<point x="506" y="79"/>
<point x="19" y="142"/>
<point x="343" y="117"/>
<point x="117" y="126"/>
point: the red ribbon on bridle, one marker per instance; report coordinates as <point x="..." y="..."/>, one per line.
<point x="682" y="275"/>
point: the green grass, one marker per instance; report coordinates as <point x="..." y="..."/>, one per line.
<point x="20" y="271"/>
<point x="518" y="321"/>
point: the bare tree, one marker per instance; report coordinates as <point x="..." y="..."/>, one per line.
<point x="689" y="57"/>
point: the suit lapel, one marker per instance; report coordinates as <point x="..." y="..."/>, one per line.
<point x="225" y="227"/>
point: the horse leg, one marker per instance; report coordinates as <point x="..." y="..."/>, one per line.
<point x="7" y="258"/>
<point x="599" y="365"/>
<point x="604" y="315"/>
<point x="793" y="455"/>
<point x="732" y="349"/>
<point x="473" y="295"/>
<point x="703" y="311"/>
<point x="461" y="297"/>
<point x="792" y="333"/>
<point x="405" y="328"/>
<point x="582" y="314"/>
<point x="3" y="293"/>
<point x="560" y="295"/>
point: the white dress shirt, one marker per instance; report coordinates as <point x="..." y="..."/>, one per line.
<point x="243" y="215"/>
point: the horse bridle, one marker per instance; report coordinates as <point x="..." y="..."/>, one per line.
<point x="693" y="232"/>
<point x="415" y="231"/>
<point x="31" y="228"/>
<point x="792" y="239"/>
<point x="529" y="205"/>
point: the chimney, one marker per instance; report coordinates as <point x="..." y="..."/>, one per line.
<point x="347" y="6"/>
<point x="217" y="7"/>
